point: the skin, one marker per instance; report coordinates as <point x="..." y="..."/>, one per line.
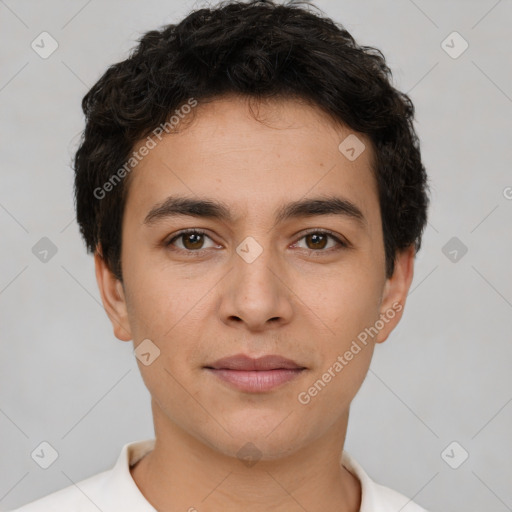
<point x="297" y="299"/>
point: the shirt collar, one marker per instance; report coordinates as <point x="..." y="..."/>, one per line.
<point x="369" y="499"/>
<point x="120" y="488"/>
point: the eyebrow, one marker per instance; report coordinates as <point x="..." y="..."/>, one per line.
<point x="174" y="206"/>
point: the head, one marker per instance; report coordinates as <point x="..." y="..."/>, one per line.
<point x="277" y="138"/>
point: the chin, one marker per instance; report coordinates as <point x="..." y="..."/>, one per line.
<point x="249" y="443"/>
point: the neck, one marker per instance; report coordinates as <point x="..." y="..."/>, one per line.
<point x="182" y="473"/>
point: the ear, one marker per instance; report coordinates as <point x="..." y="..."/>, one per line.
<point x="395" y="292"/>
<point x="112" y="296"/>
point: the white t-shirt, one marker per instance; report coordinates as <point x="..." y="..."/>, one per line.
<point x="116" y="491"/>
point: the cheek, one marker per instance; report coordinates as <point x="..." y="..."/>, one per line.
<point x="161" y="301"/>
<point x="344" y="301"/>
<point x="335" y="385"/>
<point x="166" y="309"/>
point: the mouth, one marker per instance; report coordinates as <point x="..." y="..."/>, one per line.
<point x="255" y="375"/>
<point x="247" y="363"/>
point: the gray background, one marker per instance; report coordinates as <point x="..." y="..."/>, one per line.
<point x="444" y="375"/>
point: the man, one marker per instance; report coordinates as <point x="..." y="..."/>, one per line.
<point x="252" y="189"/>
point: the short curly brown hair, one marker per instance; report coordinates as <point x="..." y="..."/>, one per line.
<point x="258" y="49"/>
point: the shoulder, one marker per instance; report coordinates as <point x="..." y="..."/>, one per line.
<point x="110" y="491"/>
<point x="376" y="497"/>
<point x="390" y="500"/>
<point x="79" y="497"/>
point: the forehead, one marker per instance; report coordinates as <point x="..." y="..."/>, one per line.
<point x="253" y="154"/>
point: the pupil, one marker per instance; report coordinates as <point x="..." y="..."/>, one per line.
<point x="194" y="240"/>
<point x="316" y="238"/>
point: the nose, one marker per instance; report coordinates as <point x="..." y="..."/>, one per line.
<point x="256" y="294"/>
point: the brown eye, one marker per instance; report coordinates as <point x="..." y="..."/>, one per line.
<point x="190" y="241"/>
<point x="321" y="241"/>
<point x="316" y="240"/>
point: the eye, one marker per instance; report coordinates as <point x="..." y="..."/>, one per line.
<point x="319" y="241"/>
<point x="191" y="240"/>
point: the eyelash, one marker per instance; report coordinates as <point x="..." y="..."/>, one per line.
<point x="198" y="252"/>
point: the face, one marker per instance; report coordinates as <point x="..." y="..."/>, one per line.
<point x="286" y="258"/>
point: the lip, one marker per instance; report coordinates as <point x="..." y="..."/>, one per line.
<point x="255" y="375"/>
<point x="256" y="381"/>
<point x="247" y="363"/>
